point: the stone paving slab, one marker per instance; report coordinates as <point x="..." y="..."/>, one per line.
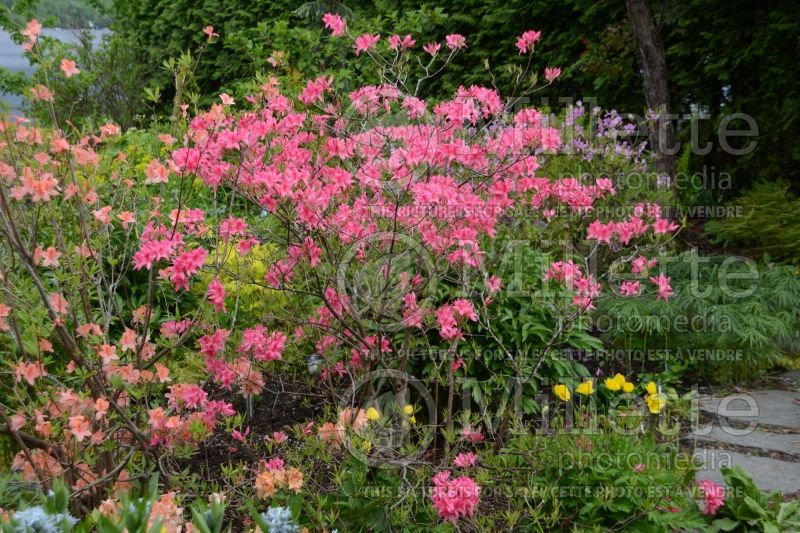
<point x="767" y="473"/>
<point x="763" y="440"/>
<point x="791" y="376"/>
<point x="777" y="408"/>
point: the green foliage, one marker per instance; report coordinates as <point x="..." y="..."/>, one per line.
<point x="769" y="223"/>
<point x="593" y="481"/>
<point x="727" y="318"/>
<point x="102" y="92"/>
<point x="749" y="509"/>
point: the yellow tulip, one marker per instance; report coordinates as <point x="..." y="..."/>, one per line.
<point x="408" y="409"/>
<point x="373" y="414"/>
<point x="627" y="387"/>
<point x="586" y="388"/>
<point x="562" y="392"/>
<point x="651" y="388"/>
<point x="413" y="419"/>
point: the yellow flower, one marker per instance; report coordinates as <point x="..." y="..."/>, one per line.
<point x="373" y="414"/>
<point x="366" y="446"/>
<point x="413" y="419"/>
<point x="656" y="402"/>
<point x="408" y="409"/>
<point x="562" y="392"/>
<point x="627" y="387"/>
<point x="586" y="388"/>
<point x="651" y="388"/>
<point x="616" y="383"/>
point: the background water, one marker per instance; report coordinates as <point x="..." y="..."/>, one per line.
<point x="12" y="56"/>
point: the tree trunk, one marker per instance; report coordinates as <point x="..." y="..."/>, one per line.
<point x="654" y="77"/>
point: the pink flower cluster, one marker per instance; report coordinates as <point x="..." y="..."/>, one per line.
<point x="571" y="275"/>
<point x="261" y="346"/>
<point x="635" y="226"/>
<point x="527" y="40"/>
<point x="335" y="23"/>
<point x="454" y="498"/>
<point x="714" y="496"/>
<point x="188" y="404"/>
<point x="465" y="460"/>
<point x="448" y="316"/>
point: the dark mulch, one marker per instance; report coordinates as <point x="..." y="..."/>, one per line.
<point x="284" y="403"/>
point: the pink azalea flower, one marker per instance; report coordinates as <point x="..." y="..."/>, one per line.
<point x="664" y="289"/>
<point x="551" y="73"/>
<point x="455" y="41"/>
<point x="277" y="437"/>
<point x="276" y="464"/>
<point x="465" y="460"/>
<point x="432" y="48"/>
<point x="641" y="264"/>
<point x="240" y="436"/>
<point x="472" y="435"/>
<point x="714" y="495"/>
<point x="454" y="498"/>
<point x="365" y="42"/>
<point x="663" y="225"/>
<point x="216" y="295"/>
<point x="335" y="23"/>
<point x="209" y="30"/>
<point x="630" y="288"/>
<point x="526" y="41"/>
<point x="601" y="232"/>
<point x="494" y="284"/>
<point x="402" y="43"/>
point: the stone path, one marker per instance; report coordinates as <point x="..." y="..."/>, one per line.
<point x="757" y="430"/>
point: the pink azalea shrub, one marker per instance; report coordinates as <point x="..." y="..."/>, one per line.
<point x="121" y="259"/>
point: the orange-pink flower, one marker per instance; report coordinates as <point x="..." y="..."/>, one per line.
<point x="40" y="92"/>
<point x="4" y="312"/>
<point x="79" y="427"/>
<point x="29" y="372"/>
<point x="294" y="479"/>
<point x="86" y="330"/>
<point x="209" y="30"/>
<point x="59" y="303"/>
<point x="69" y="68"/>
<point x="101" y="406"/>
<point x="107" y="353"/>
<point x="127" y="218"/>
<point x="32" y="30"/>
<point x="156" y="173"/>
<point x="50" y="257"/>
<point x="265" y="484"/>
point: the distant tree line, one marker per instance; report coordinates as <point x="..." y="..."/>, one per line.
<point x="722" y="57"/>
<point x="74" y="14"/>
